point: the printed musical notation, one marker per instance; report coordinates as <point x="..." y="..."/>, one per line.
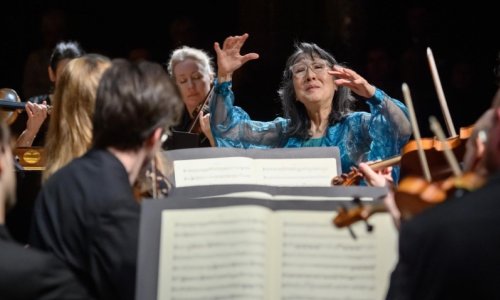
<point x="250" y="251"/>
<point x="245" y="170"/>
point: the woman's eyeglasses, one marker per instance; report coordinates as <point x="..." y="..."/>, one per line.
<point x="299" y="70"/>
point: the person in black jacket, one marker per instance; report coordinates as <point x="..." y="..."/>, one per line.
<point x="452" y="250"/>
<point x="27" y="273"/>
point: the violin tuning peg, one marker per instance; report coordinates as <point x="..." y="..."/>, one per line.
<point x="369" y="227"/>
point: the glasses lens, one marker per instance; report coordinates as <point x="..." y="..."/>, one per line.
<point x="318" y="67"/>
<point x="300" y="69"/>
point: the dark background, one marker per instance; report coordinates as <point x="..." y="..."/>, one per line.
<point x="384" y="41"/>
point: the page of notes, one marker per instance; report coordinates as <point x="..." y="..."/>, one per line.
<point x="214" y="253"/>
<point x="250" y="252"/>
<point x="316" y="260"/>
<point x="244" y="170"/>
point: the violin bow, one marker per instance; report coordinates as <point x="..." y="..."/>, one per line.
<point x="440" y="93"/>
<point x="416" y="132"/>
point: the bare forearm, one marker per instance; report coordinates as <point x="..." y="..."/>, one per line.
<point x="26" y="139"/>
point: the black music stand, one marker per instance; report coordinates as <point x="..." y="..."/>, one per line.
<point x="151" y="216"/>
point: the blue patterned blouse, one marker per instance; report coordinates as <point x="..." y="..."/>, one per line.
<point x="360" y="136"/>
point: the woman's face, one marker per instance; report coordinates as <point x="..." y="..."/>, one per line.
<point x="311" y="81"/>
<point x="193" y="81"/>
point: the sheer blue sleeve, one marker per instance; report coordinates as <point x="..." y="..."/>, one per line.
<point x="232" y="127"/>
<point x="388" y="126"/>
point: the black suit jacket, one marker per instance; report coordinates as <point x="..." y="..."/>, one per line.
<point x="31" y="274"/>
<point x="86" y="214"/>
<point x="452" y="251"/>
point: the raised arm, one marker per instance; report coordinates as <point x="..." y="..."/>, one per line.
<point x="388" y="125"/>
<point x="231" y="126"/>
<point x="229" y="58"/>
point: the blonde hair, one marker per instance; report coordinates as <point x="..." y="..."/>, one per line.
<point x="70" y="127"/>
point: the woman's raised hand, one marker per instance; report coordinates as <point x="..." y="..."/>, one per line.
<point x="348" y="78"/>
<point x="229" y="58"/>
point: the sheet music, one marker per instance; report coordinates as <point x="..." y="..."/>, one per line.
<point x="319" y="261"/>
<point x="244" y="170"/>
<point x="214" y="253"/>
<point x="244" y="252"/>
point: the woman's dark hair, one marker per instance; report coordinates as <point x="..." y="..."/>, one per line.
<point x="342" y="102"/>
<point x="65" y="50"/>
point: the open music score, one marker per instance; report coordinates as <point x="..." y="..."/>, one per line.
<point x="245" y="170"/>
<point x="251" y="251"/>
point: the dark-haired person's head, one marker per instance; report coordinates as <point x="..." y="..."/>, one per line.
<point x="133" y="100"/>
<point x="62" y="53"/>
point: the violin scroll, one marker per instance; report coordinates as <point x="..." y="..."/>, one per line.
<point x="349" y="179"/>
<point x="354" y="176"/>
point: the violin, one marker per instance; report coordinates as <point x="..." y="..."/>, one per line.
<point x="354" y="176"/>
<point x="408" y="160"/>
<point x="418" y="192"/>
<point x="153" y="183"/>
<point x="195" y="127"/>
<point x="434" y="152"/>
<point x="415" y="194"/>
<point x="360" y="212"/>
<point x="11" y="105"/>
